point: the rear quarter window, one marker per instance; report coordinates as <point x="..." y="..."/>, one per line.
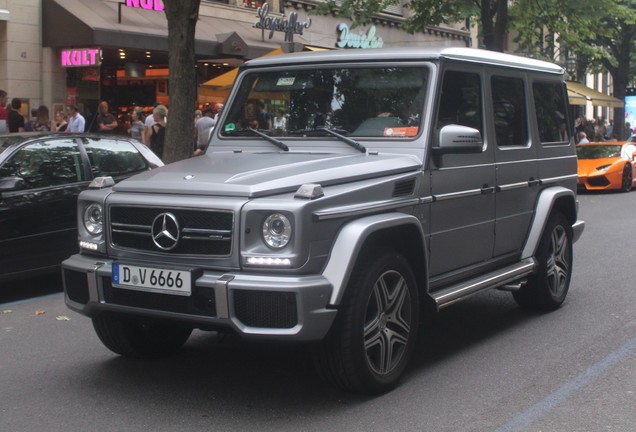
<point x="114" y="157"/>
<point x="550" y="109"/>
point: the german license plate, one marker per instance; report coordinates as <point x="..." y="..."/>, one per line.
<point x="167" y="281"/>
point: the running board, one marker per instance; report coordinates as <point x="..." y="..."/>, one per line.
<point x="506" y="275"/>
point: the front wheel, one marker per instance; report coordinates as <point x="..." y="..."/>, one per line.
<point x="139" y="337"/>
<point x="373" y="337"/>
<point x="547" y="288"/>
<point x="626" y="184"/>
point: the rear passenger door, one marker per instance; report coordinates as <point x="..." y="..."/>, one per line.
<point x="463" y="184"/>
<point x="515" y="158"/>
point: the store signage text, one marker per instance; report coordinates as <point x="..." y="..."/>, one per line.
<point x="81" y="57"/>
<point x="347" y="39"/>
<point x="145" y="4"/>
<point x="289" y="26"/>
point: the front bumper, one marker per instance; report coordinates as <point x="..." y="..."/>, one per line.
<point x="263" y="307"/>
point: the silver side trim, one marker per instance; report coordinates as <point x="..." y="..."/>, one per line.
<point x="366" y="208"/>
<point x="512" y="186"/>
<point x="455" y="195"/>
<point x="455" y="293"/>
<point x="559" y="179"/>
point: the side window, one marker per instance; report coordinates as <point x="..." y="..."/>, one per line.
<point x="113" y="157"/>
<point x="550" y="106"/>
<point x="509" y="111"/>
<point x="460" y="101"/>
<point x="47" y="163"/>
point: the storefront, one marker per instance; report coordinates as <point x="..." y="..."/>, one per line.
<point x="117" y="50"/>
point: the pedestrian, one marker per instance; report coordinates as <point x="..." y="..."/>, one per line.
<point x="4" y="115"/>
<point x="280" y="121"/>
<point x="203" y="128"/>
<point x="148" y="122"/>
<point x="76" y="121"/>
<point x="106" y="122"/>
<point x="16" y="120"/>
<point x="60" y="121"/>
<point x="581" y="138"/>
<point x="158" y="130"/>
<point x="28" y="127"/>
<point x="136" y="125"/>
<point x="43" y="122"/>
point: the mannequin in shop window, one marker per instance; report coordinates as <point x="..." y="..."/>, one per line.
<point x="158" y="130"/>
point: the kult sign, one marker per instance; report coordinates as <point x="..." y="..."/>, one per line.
<point x="145" y="4"/>
<point x="81" y="57"/>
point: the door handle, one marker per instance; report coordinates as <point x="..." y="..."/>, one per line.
<point x="485" y="189"/>
<point x="533" y="182"/>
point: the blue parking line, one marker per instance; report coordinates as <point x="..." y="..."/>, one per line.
<point x="30" y="300"/>
<point x="533" y="413"/>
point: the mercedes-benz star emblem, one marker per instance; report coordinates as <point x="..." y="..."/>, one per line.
<point x="165" y="231"/>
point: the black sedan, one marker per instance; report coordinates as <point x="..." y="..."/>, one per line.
<point x="40" y="179"/>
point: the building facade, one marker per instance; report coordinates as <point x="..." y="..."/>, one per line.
<point x="58" y="52"/>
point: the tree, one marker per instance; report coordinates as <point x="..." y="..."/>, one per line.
<point x="491" y="14"/>
<point x="182" y="16"/>
<point x="601" y="33"/>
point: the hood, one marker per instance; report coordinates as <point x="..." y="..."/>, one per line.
<point x="589" y="166"/>
<point x="260" y="174"/>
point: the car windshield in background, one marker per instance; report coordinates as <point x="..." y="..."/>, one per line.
<point x="598" y="152"/>
<point x="382" y="102"/>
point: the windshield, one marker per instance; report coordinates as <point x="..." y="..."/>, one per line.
<point x="378" y="102"/>
<point x="598" y="152"/>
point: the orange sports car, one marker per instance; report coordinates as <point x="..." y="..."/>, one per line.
<point x="607" y="165"/>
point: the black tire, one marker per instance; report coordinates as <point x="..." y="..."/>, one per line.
<point x="370" y="344"/>
<point x="626" y="183"/>
<point x="139" y="337"/>
<point x="548" y="286"/>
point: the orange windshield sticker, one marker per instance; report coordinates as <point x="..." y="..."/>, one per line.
<point x="401" y="131"/>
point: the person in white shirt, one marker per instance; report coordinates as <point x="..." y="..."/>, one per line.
<point x="76" y="121"/>
<point x="203" y="128"/>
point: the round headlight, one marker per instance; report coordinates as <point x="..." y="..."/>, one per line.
<point x="93" y="219"/>
<point x="277" y="230"/>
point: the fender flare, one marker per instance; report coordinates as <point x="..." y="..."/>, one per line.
<point x="545" y="204"/>
<point x="349" y="241"/>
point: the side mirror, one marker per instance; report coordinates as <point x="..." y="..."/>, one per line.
<point x="11" y="184"/>
<point x="455" y="138"/>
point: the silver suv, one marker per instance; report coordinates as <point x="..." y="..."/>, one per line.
<point x="342" y="192"/>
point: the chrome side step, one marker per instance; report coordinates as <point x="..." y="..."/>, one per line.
<point x="496" y="279"/>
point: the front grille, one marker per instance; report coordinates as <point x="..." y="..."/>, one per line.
<point x="202" y="232"/>
<point x="266" y="309"/>
<point x="598" y="181"/>
<point x="201" y="302"/>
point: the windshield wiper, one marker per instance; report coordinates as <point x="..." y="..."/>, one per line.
<point x="276" y="142"/>
<point x="353" y="143"/>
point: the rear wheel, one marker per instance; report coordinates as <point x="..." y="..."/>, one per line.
<point x="548" y="287"/>
<point x="626" y="184"/>
<point x="373" y="337"/>
<point x="139" y="337"/>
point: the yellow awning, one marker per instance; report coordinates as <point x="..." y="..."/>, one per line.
<point x="227" y="79"/>
<point x="580" y="94"/>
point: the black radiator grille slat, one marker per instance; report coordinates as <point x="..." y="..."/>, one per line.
<point x="203" y="232"/>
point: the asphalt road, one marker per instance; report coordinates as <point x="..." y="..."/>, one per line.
<point x="482" y="365"/>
